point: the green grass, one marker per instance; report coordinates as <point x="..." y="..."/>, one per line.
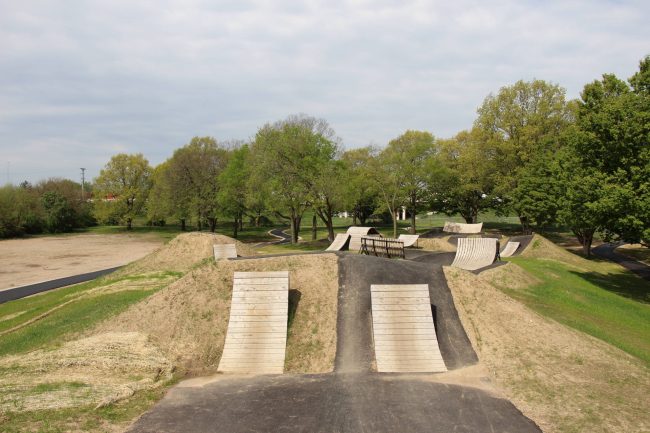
<point x="72" y="318"/>
<point x="33" y="306"/>
<point x="85" y="418"/>
<point x="611" y="306"/>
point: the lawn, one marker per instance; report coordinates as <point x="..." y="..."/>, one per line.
<point x="606" y="302"/>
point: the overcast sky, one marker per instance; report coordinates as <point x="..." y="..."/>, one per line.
<point x="83" y="80"/>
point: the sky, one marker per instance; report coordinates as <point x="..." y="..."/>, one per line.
<point x="81" y="81"/>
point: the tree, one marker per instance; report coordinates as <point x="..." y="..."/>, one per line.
<point x="359" y="193"/>
<point x="467" y="180"/>
<point x="287" y="157"/>
<point x="59" y="215"/>
<point x="611" y="145"/>
<point x="193" y="177"/>
<point x="520" y="124"/>
<point x="234" y="188"/>
<point x="414" y="155"/>
<point x="385" y="172"/>
<point x="122" y="188"/>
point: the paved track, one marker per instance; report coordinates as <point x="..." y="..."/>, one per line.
<point x="607" y="251"/>
<point x="353" y="398"/>
<point x="32" y="289"/>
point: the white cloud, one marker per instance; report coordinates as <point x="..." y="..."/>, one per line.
<point x="82" y="80"/>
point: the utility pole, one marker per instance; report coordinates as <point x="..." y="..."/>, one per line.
<point x="83" y="181"/>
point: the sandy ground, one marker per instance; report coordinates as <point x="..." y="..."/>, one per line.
<point x="28" y="261"/>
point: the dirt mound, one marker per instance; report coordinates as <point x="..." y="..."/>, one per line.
<point x="97" y="370"/>
<point x="510" y="275"/>
<point x="183" y="252"/>
<point x="542" y="248"/>
<point x="561" y="378"/>
<point x="188" y="319"/>
<point x="436" y="244"/>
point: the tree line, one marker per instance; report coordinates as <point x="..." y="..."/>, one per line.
<point x="584" y="164"/>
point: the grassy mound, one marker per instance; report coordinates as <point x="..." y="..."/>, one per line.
<point x="189" y="318"/>
<point x="525" y="318"/>
<point x="183" y="252"/>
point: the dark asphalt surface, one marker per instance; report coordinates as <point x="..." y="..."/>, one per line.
<point x="328" y="403"/>
<point x="353" y="398"/>
<point x="607" y="251"/>
<point x="32" y="289"/>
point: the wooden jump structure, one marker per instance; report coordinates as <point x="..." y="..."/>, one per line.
<point x="475" y="253"/>
<point x="257" y="329"/>
<point x="451" y="227"/>
<point x="510" y="249"/>
<point x="356" y="233"/>
<point x="403" y="329"/>
<point x="409" y="240"/>
<point x="340" y="243"/>
<point x="382" y="247"/>
<point x="224" y="251"/>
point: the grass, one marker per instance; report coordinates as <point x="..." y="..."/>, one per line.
<point x="85" y="418"/>
<point x="72" y="318"/>
<point x="27" y="308"/>
<point x="611" y="306"/>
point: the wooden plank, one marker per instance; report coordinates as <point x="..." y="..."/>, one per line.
<point x="257" y="330"/>
<point x="403" y="329"/>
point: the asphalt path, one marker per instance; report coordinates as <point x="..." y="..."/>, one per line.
<point x="353" y="398"/>
<point x="608" y="251"/>
<point x="32" y="289"/>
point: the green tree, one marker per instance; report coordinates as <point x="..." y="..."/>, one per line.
<point x="20" y="211"/>
<point x="467" y="180"/>
<point x="518" y="125"/>
<point x="288" y="155"/>
<point x="122" y="187"/>
<point x="360" y="194"/>
<point x="414" y="155"/>
<point x="59" y="215"/>
<point x="234" y="187"/>
<point x="193" y="177"/>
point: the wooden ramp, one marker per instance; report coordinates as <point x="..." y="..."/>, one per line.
<point x="257" y="329"/>
<point x="475" y="253"/>
<point x="341" y="242"/>
<point x="224" y="251"/>
<point x="403" y="329"/>
<point x="462" y="228"/>
<point x="510" y="249"/>
<point x="356" y="233"/>
<point x="409" y="240"/>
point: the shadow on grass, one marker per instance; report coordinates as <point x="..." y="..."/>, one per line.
<point x="624" y="284"/>
<point x="294" y="300"/>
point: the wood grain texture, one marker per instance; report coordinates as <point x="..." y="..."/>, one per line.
<point x="257" y="330"/>
<point x="403" y="330"/>
<point x="224" y="251"/>
<point x="475" y="253"/>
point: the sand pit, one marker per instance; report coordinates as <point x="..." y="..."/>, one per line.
<point x="28" y="261"/>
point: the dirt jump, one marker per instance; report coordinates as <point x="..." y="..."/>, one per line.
<point x="355" y="397"/>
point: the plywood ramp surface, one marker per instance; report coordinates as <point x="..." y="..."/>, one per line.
<point x="462" y="228"/>
<point x="475" y="253"/>
<point x="339" y="243"/>
<point x="225" y="251"/>
<point x="403" y="329"/>
<point x="409" y="240"/>
<point x="510" y="249"/>
<point x="257" y="329"/>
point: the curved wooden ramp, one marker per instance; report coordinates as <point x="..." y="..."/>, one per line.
<point x="409" y="240"/>
<point x="340" y="243"/>
<point x="257" y="329"/>
<point x="510" y="249"/>
<point x="224" y="251"/>
<point x="462" y="228"/>
<point x="403" y="329"/>
<point x="475" y="253"/>
<point x="356" y="233"/>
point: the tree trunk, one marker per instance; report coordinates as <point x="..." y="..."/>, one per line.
<point x="241" y="221"/>
<point x="525" y="224"/>
<point x="413" y="212"/>
<point x="183" y="227"/>
<point x="295" y="228"/>
<point x="213" y="224"/>
<point x="128" y="223"/>
<point x="585" y="237"/>
<point x="314" y="227"/>
<point x="235" y="227"/>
